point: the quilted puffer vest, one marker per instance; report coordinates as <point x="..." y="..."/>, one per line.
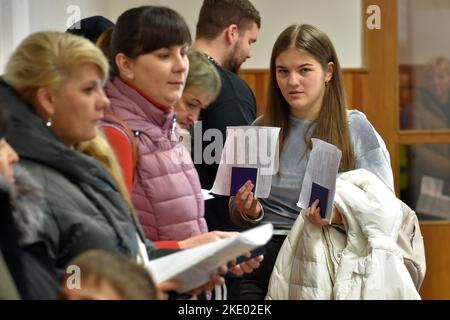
<point x="166" y="191"/>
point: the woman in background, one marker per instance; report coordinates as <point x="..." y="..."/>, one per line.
<point x="431" y="111"/>
<point x="202" y="88"/>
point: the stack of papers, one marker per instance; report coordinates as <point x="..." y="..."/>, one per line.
<point x="194" y="267"/>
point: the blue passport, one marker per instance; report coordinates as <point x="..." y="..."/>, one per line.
<point x="239" y="176"/>
<point x="254" y="253"/>
<point x="321" y="193"/>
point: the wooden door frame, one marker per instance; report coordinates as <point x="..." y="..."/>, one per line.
<point x="380" y="58"/>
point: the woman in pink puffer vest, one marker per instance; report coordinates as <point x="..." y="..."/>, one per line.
<point x="166" y="189"/>
<point x="149" y="73"/>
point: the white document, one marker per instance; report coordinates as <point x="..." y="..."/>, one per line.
<point x="321" y="170"/>
<point x="194" y="266"/>
<point x="206" y="195"/>
<point x="433" y="200"/>
<point x="249" y="147"/>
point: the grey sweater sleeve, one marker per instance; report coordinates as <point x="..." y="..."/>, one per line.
<point x="370" y="150"/>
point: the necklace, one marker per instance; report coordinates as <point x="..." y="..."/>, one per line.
<point x="212" y="60"/>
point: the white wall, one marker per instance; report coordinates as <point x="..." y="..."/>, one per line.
<point x="14" y="26"/>
<point x="18" y="18"/>
<point x="340" y="19"/>
<point x="424" y="26"/>
<point x="53" y="15"/>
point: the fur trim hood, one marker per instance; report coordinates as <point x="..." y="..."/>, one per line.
<point x="27" y="199"/>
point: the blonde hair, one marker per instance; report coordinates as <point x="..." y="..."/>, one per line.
<point x="47" y="59"/>
<point x="203" y="74"/>
<point x="100" y="149"/>
<point x="332" y="123"/>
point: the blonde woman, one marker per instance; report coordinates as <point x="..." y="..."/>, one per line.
<point x="54" y="93"/>
<point x="202" y="88"/>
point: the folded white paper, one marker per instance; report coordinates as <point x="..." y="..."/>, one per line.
<point x="249" y="147"/>
<point x="320" y="176"/>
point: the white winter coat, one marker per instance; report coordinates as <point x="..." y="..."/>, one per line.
<point x="362" y="262"/>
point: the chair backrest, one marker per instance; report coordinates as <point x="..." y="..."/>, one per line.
<point x="123" y="142"/>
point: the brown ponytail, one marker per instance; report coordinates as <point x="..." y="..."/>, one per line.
<point x="104" y="42"/>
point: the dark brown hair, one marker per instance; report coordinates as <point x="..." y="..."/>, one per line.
<point x="217" y="15"/>
<point x="104" y="42"/>
<point x="332" y="123"/>
<point x="145" y="29"/>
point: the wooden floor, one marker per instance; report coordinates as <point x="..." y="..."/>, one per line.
<point x="437" y="250"/>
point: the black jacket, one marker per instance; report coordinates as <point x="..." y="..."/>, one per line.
<point x="235" y="106"/>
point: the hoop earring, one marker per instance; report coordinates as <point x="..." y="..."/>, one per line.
<point x="49" y="122"/>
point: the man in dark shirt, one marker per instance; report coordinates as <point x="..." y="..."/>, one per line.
<point x="226" y="29"/>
